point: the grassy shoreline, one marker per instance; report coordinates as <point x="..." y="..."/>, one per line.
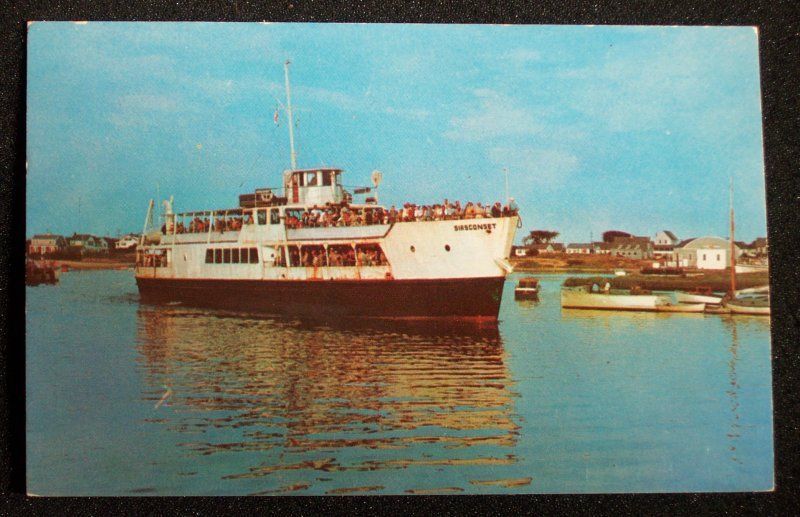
<point x="717" y="281"/>
<point x="94" y="264"/>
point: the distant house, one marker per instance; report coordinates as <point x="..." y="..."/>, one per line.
<point x="632" y="247"/>
<point x="664" y="244"/>
<point x="632" y="250"/>
<point x="46" y="243"/>
<point x="705" y="253"/>
<point x="127" y="242"/>
<point x="579" y="248"/>
<point x="760" y="246"/>
<point x="539" y="248"/>
<point x="601" y="248"/>
<point x="665" y="238"/>
<point x="88" y="244"/>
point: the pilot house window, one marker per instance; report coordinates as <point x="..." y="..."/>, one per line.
<point x="232" y="256"/>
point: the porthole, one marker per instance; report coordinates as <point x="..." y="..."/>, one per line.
<point x="447" y="247"/>
<point x="413" y="249"/>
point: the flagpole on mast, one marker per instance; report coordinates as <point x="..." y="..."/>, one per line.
<point x="289" y="113"/>
<point x="505" y="172"/>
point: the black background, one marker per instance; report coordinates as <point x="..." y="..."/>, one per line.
<point x="779" y="41"/>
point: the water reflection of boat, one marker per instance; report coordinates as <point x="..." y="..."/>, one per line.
<point x="527" y="289"/>
<point x="310" y="397"/>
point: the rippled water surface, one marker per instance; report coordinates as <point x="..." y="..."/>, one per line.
<point x="129" y="399"/>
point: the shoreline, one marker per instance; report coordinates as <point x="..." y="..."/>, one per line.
<point x="93" y="264"/>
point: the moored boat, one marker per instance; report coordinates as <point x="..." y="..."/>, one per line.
<point x="755" y="305"/>
<point x="682" y="307"/>
<point x="40" y="272"/>
<point x="586" y="297"/>
<point x="698" y="295"/>
<point x="527" y="289"/>
<point x="752" y="268"/>
<point x="582" y="297"/>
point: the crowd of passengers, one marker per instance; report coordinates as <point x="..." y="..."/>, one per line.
<point x="345" y="215"/>
<point x="344" y="257"/>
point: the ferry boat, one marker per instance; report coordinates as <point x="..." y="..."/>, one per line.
<point x="345" y="259"/>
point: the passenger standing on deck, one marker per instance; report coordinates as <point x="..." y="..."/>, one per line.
<point x="469" y="211"/>
<point x="512" y="206"/>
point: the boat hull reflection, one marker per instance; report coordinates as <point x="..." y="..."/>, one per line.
<point x="311" y="398"/>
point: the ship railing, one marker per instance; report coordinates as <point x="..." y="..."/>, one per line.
<point x="206" y="221"/>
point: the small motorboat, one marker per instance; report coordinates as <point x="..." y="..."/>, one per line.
<point x="682" y="307"/>
<point x="756" y="305"/>
<point x="752" y="268"/>
<point x="717" y="309"/>
<point x="527" y="289"/>
<point x="592" y="297"/>
<point x="698" y="295"/>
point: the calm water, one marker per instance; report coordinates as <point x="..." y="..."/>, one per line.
<point x="129" y="399"/>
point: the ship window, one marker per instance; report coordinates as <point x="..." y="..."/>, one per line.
<point x="413" y="249"/>
<point x="718" y="259"/>
<point x="313" y="256"/>
<point x="209" y="256"/>
<point x="327" y="177"/>
<point x="311" y="179"/>
<point x="253" y="255"/>
<point x="294" y="256"/>
<point x="274" y="216"/>
<point x="262" y="217"/>
<point x="235" y="256"/>
<point x="280" y="259"/>
<point x="217" y="256"/>
<point x="226" y="256"/>
<point x="340" y="255"/>
<point x="370" y="255"/>
<point x="447" y="247"/>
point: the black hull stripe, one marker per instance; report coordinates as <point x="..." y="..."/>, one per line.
<point x="463" y="298"/>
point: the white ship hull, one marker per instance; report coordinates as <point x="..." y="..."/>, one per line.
<point x="439" y="269"/>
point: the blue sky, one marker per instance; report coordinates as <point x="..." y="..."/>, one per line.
<point x="630" y="128"/>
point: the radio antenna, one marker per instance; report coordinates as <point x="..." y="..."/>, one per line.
<point x="289" y="113"/>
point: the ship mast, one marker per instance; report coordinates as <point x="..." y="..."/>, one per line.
<point x="289" y="113"/>
<point x="733" y="246"/>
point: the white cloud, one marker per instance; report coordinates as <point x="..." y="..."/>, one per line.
<point x="528" y="167"/>
<point x="497" y="116"/>
<point x="366" y="103"/>
<point x="522" y="56"/>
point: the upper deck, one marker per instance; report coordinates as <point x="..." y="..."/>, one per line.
<point x="304" y="187"/>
